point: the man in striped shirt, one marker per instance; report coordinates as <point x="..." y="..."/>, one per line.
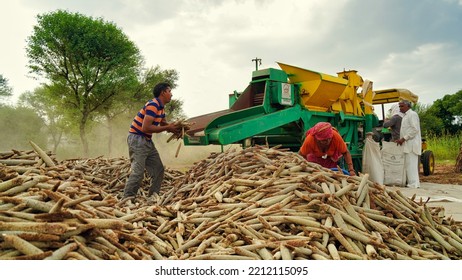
<point x="143" y="154"/>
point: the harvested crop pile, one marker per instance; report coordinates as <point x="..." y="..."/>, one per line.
<point x="258" y="203"/>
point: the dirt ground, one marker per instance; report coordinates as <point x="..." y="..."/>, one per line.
<point x="441" y="189"/>
<point x="444" y="174"/>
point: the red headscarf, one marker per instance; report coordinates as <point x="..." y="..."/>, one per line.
<point x="321" y="131"/>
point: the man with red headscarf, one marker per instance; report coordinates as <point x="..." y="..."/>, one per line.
<point x="324" y="145"/>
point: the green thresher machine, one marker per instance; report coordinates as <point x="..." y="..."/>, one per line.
<point x="279" y="106"/>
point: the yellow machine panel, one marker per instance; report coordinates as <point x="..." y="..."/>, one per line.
<point x="318" y="91"/>
<point x="323" y="92"/>
<point x="394" y="95"/>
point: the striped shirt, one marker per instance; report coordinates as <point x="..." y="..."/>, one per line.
<point x="153" y="108"/>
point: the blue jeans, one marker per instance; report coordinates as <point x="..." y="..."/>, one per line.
<point x="143" y="156"/>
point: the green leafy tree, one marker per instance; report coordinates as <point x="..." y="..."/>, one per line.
<point x="174" y="110"/>
<point x="19" y="125"/>
<point x="149" y="78"/>
<point x="456" y="109"/>
<point x="449" y="111"/>
<point x="44" y="102"/>
<point x="83" y="55"/>
<point x="5" y="90"/>
<point x="131" y="97"/>
<point x="430" y="124"/>
<point x="109" y="111"/>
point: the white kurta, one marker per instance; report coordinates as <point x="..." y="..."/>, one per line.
<point x="412" y="147"/>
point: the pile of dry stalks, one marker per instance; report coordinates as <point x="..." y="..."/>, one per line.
<point x="257" y="203"/>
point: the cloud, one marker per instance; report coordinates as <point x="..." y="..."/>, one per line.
<point x="429" y="70"/>
<point x="215" y="46"/>
<point x="409" y="44"/>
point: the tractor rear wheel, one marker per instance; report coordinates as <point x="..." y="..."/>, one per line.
<point x="428" y="162"/>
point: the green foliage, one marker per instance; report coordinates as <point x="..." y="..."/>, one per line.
<point x="456" y="108"/>
<point x="19" y="125"/>
<point x="94" y="73"/>
<point x="449" y="111"/>
<point x="147" y="80"/>
<point x="429" y="123"/>
<point x="132" y="96"/>
<point x="69" y="47"/>
<point x="153" y="76"/>
<point x="57" y="121"/>
<point x="88" y="59"/>
<point x="5" y="90"/>
<point x="444" y="116"/>
<point x="174" y="110"/>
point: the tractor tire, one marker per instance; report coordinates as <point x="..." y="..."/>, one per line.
<point x="428" y="163"/>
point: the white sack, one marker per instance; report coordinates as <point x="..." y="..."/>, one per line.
<point x="372" y="161"/>
<point x="393" y="164"/>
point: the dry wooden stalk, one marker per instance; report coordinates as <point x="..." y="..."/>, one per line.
<point x="256" y="203"/>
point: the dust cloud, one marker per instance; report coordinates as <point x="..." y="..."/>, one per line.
<point x="99" y="147"/>
<point x="111" y="142"/>
<point x="187" y="155"/>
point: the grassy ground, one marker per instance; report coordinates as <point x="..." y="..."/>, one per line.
<point x="445" y="148"/>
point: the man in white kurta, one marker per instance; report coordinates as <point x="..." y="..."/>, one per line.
<point x="411" y="140"/>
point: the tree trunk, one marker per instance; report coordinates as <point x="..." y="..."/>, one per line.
<point x="109" y="140"/>
<point x="458" y="167"/>
<point x="56" y="140"/>
<point x="83" y="138"/>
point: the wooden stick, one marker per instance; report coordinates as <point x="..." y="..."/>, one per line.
<point x="49" y="162"/>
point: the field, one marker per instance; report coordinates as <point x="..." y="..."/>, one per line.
<point x="445" y="149"/>
<point x="444" y="174"/>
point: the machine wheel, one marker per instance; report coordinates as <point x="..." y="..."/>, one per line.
<point x="428" y="162"/>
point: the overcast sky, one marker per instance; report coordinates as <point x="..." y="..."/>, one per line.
<point x="412" y="44"/>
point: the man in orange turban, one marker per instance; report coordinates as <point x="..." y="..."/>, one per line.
<point x="324" y="145"/>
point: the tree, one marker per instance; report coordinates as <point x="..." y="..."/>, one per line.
<point x="132" y="96"/>
<point x="5" y="90"/>
<point x="149" y="78"/>
<point x="43" y="101"/>
<point x="455" y="108"/>
<point x="444" y="116"/>
<point x="174" y="110"/>
<point x="18" y="125"/>
<point x="114" y="107"/>
<point x="429" y="123"/>
<point x="84" y="56"/>
<point x="449" y="110"/>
